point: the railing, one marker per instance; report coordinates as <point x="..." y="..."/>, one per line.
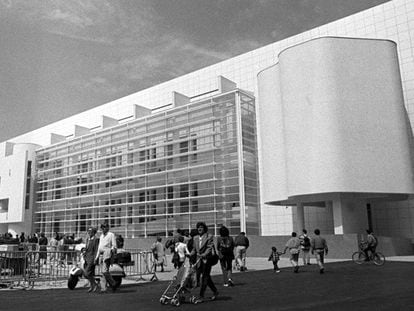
<point x="27" y="269"/>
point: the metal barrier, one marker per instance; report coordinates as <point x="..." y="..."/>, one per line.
<point x="143" y="264"/>
<point x="12" y="268"/>
<point x="28" y="269"/>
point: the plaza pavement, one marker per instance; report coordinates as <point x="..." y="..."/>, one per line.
<point x="260" y="263"/>
<point x="344" y="286"/>
<point x="252" y="263"/>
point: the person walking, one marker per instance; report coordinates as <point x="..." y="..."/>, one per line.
<point x="225" y="247"/>
<point x="319" y="247"/>
<point x="242" y="243"/>
<point x="305" y="247"/>
<point x="293" y="245"/>
<point x="158" y="251"/>
<point x="89" y="255"/>
<point x="106" y="249"/>
<point x="203" y="245"/>
<point x="274" y="257"/>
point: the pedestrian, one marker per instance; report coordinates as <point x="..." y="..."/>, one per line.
<point x="203" y="248"/>
<point x="320" y="249"/>
<point x="293" y="245"/>
<point x="158" y="251"/>
<point x="106" y="249"/>
<point x="242" y="244"/>
<point x="22" y="238"/>
<point x="193" y="257"/>
<point x="170" y="244"/>
<point x="43" y="241"/>
<point x="182" y="251"/>
<point x="225" y="247"/>
<point x="305" y="247"/>
<point x="89" y="255"/>
<point x="53" y="243"/>
<point x="274" y="257"/>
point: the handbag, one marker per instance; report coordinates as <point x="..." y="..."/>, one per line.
<point x="214" y="257"/>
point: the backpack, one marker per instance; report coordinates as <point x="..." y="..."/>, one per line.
<point x="374" y="241"/>
<point x="306" y="242"/>
<point x="226" y="246"/>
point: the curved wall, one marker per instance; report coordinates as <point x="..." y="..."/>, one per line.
<point x="342" y="125"/>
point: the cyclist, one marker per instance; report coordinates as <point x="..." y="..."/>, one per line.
<point x="370" y="245"/>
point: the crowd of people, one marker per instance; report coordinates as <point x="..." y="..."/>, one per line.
<point x="204" y="250"/>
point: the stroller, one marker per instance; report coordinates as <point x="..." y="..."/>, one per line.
<point x="181" y="284"/>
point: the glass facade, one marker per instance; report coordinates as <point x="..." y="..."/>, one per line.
<point x="152" y="175"/>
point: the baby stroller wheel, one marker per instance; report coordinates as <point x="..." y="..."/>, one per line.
<point x="175" y="302"/>
<point x="163" y="301"/>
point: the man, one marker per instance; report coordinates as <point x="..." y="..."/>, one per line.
<point x="320" y="249"/>
<point x="89" y="255"/>
<point x="371" y="244"/>
<point x="203" y="248"/>
<point x="305" y="247"/>
<point x="158" y="251"/>
<point x="106" y="249"/>
<point x="293" y="245"/>
<point x="242" y="244"/>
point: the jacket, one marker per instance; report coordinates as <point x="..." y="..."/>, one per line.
<point x="91" y="249"/>
<point x="205" y="249"/>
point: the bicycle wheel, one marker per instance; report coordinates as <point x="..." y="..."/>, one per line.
<point x="379" y="259"/>
<point x="358" y="257"/>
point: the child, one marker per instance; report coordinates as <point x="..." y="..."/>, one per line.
<point x="274" y="257"/>
<point x="182" y="251"/>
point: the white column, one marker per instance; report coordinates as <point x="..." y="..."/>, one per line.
<point x="337" y="215"/>
<point x="300" y="217"/>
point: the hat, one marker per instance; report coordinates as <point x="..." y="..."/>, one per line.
<point x="104" y="225"/>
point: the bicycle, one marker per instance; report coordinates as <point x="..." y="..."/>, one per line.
<point x="360" y="257"/>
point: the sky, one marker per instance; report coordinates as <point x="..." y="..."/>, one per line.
<point x="62" y="57"/>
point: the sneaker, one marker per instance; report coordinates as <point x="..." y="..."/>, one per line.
<point x="197" y="300"/>
<point x="214" y="297"/>
<point x="226" y="285"/>
<point x="277" y="271"/>
<point x="230" y="282"/>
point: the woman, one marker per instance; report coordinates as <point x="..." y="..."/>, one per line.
<point x="203" y="248"/>
<point x="225" y="246"/>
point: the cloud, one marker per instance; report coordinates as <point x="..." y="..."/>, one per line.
<point x="69" y="18"/>
<point x="101" y="21"/>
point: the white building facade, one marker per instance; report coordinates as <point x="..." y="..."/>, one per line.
<point x="393" y="20"/>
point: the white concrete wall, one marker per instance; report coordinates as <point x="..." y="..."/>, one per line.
<point x="340" y="125"/>
<point x="13" y="186"/>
